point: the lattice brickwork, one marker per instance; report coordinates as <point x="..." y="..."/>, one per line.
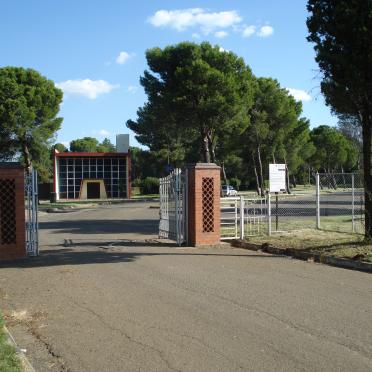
<point x="208" y="204"/>
<point x="7" y="211"/>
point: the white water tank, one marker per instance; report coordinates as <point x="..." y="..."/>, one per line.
<point x="122" y="142"/>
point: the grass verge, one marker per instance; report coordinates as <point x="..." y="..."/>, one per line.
<point x="9" y="361"/>
<point x="328" y="243"/>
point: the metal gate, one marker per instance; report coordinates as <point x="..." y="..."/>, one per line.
<point x="173" y="206"/>
<point x="31" y="210"/>
<point x="243" y="216"/>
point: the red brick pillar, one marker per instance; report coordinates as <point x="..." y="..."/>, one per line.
<point x="204" y="204"/>
<point x="12" y="211"/>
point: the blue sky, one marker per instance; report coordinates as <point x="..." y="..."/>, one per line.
<point x="95" y="50"/>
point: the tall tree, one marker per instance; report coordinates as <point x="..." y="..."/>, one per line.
<point x="86" y="144"/>
<point x="195" y="93"/>
<point x="29" y="104"/>
<point x="60" y="147"/>
<point x="106" y="146"/>
<point x="334" y="152"/>
<point x="342" y="33"/>
<point x="277" y="133"/>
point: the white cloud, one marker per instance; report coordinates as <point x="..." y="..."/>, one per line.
<point x="220" y="34"/>
<point x="182" y="19"/>
<point x="299" y="95"/>
<point x="132" y="89"/>
<point x="87" y="88"/>
<point x="123" y="57"/>
<point x="265" y="31"/>
<point x="195" y="35"/>
<point x="249" y="31"/>
<point x="103" y="132"/>
<point x="222" y="50"/>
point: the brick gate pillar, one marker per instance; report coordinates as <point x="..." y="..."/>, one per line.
<point x="12" y="211"/>
<point x="203" y="204"/>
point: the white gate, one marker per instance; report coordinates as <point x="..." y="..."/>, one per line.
<point x="173" y="207"/>
<point x="242" y="216"/>
<point x="31" y="210"/>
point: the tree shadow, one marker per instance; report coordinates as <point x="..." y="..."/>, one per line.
<point x="145" y="227"/>
<point x="107" y="255"/>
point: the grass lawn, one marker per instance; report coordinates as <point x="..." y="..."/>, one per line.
<point x="329" y="243"/>
<point x="9" y="361"/>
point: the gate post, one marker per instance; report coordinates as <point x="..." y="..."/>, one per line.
<point x="12" y="211"/>
<point x="204" y="189"/>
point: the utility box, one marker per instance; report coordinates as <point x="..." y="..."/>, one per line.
<point x="122" y="143"/>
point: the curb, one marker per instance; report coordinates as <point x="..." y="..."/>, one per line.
<point x="307" y="256"/>
<point x="25" y="363"/>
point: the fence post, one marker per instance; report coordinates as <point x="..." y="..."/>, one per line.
<point x="317" y="201"/>
<point x="241" y="217"/>
<point x="352" y="202"/>
<point x="269" y="211"/>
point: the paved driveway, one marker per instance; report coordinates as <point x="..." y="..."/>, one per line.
<point x="112" y="299"/>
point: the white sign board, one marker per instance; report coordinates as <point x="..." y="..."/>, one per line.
<point x="277" y="177"/>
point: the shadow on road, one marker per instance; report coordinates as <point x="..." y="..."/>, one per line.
<point x="145" y="227"/>
<point x="68" y="256"/>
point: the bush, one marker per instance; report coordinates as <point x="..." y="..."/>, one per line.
<point x="150" y="185"/>
<point x="137" y="182"/>
<point x="235" y="183"/>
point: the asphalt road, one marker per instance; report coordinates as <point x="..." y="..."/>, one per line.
<point x="105" y="296"/>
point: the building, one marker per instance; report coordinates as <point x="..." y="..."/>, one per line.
<point x="87" y="175"/>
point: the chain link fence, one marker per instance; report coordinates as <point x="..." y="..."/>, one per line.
<point x="292" y="211"/>
<point x="340" y="202"/>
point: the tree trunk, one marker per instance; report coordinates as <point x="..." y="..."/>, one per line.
<point x="287" y="176"/>
<point x="255" y="173"/>
<point x="211" y="147"/>
<point x="261" y="171"/>
<point x="367" y="152"/>
<point x="224" y="172"/>
<point x="207" y="156"/>
<point x="27" y="158"/>
<point x="294" y="181"/>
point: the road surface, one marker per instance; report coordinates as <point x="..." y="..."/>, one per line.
<point x="105" y="296"/>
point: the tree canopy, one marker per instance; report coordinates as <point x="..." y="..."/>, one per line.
<point x="334" y="151"/>
<point x="342" y="32"/>
<point x="195" y="93"/>
<point x="90" y="144"/>
<point x="29" y="105"/>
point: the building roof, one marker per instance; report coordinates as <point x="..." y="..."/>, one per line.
<point x="90" y="154"/>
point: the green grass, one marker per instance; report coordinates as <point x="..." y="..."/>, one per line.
<point x="9" y="361"/>
<point x="149" y="196"/>
<point x="328" y="243"/>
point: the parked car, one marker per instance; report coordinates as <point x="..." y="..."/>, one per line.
<point x="227" y="190"/>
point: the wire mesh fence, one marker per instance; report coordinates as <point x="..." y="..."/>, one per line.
<point x="292" y="211"/>
<point x="341" y="202"/>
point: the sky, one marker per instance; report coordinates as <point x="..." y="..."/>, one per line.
<point x="95" y="51"/>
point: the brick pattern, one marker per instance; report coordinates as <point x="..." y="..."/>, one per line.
<point x="208" y="204"/>
<point x="196" y="234"/>
<point x="12" y="213"/>
<point x="7" y="211"/>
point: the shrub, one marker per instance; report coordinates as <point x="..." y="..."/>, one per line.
<point x="235" y="183"/>
<point x="150" y="185"/>
<point x="137" y="182"/>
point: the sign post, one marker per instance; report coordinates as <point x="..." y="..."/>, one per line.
<point x="277" y="175"/>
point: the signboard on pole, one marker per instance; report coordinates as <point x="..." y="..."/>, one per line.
<point x="277" y="177"/>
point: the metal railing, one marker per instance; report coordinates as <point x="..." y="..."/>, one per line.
<point x="242" y="216"/>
